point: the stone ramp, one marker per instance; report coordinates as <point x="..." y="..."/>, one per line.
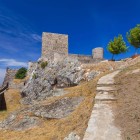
<point x="101" y="124"/>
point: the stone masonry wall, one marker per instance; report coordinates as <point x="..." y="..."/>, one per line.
<point x="10" y="79"/>
<point x="84" y="58"/>
<point x="54" y="43"/>
<point x="81" y="58"/>
<point x="9" y="76"/>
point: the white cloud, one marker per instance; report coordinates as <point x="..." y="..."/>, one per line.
<point x="12" y="62"/>
<point x="36" y="37"/>
<point x="2" y="75"/>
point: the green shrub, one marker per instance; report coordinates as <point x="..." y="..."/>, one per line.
<point x="34" y="76"/>
<point x="21" y="73"/>
<point x="44" y="64"/>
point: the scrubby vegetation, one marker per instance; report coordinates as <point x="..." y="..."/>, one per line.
<point x="34" y="76"/>
<point x="21" y="73"/>
<point x="44" y="64"/>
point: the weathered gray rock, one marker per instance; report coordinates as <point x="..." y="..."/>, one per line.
<point x="92" y="74"/>
<point x="19" y="120"/>
<point x="30" y="117"/>
<point x="55" y="75"/>
<point x="72" y="136"/>
<point x="58" y="109"/>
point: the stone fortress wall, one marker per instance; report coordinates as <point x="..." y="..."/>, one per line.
<point x="10" y="79"/>
<point x="85" y="58"/>
<point x="9" y="76"/>
<point x="55" y="47"/>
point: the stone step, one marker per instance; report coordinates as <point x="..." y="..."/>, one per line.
<point x="100" y="126"/>
<point x="108" y="79"/>
<point x="105" y="88"/>
<point x="104" y="96"/>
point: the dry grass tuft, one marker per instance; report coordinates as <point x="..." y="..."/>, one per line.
<point x="18" y="81"/>
<point x="12" y="97"/>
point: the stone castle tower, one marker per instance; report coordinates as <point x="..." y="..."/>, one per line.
<point x="54" y="45"/>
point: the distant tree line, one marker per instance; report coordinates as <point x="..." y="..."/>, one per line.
<point x="118" y="45"/>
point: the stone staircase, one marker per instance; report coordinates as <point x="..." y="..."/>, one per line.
<point x="101" y="124"/>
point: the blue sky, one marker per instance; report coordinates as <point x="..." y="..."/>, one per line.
<point x="89" y="24"/>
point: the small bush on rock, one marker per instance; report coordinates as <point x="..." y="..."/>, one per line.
<point x="34" y="76"/>
<point x="44" y="64"/>
<point x="21" y="73"/>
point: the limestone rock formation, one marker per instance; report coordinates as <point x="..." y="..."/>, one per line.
<point x="20" y="120"/>
<point x="58" y="109"/>
<point x="44" y="81"/>
<point x="30" y="117"/>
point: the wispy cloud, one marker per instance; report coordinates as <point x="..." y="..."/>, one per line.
<point x="12" y="62"/>
<point x="16" y="33"/>
<point x="36" y="37"/>
<point x="19" y="41"/>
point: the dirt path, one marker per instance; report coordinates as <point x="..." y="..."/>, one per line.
<point x="101" y="124"/>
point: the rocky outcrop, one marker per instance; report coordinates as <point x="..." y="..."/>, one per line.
<point x="20" y="120"/>
<point x="44" y="81"/>
<point x="31" y="116"/>
<point x="58" y="109"/>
